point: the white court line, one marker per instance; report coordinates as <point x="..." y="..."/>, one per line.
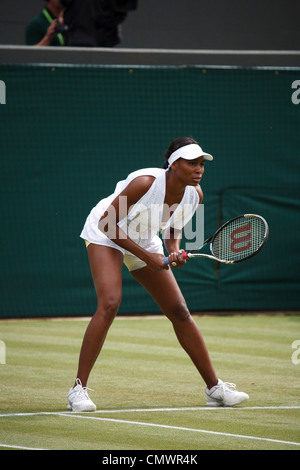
<point x="8" y="446"/>
<point x="36" y="413"/>
<point x="150" y="410"/>
<point x="200" y="408"/>
<point x="179" y="428"/>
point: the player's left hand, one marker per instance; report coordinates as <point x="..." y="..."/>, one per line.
<point x="175" y="260"/>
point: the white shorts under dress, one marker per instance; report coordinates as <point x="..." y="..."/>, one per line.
<point x="131" y="261"/>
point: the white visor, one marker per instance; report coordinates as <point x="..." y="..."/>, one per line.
<point x="189" y="152"/>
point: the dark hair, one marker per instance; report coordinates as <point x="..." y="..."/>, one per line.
<point x="175" y="145"/>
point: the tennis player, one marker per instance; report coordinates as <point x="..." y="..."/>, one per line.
<point x="123" y="228"/>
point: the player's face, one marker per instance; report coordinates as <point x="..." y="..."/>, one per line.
<point x="190" y="171"/>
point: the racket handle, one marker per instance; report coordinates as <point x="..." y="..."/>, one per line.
<point x="183" y="255"/>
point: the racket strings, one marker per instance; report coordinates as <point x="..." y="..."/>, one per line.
<point x="239" y="239"/>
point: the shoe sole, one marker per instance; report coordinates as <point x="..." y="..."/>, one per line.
<point x="221" y="403"/>
<point x="215" y="404"/>
<point x="81" y="410"/>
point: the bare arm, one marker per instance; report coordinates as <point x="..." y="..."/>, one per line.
<point x="172" y="239"/>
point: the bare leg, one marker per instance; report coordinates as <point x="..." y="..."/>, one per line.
<point x="164" y="289"/>
<point x="106" y="269"/>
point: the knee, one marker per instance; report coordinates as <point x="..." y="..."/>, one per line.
<point x="108" y="308"/>
<point x="178" y="312"/>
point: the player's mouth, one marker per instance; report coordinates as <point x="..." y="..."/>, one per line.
<point x="197" y="179"/>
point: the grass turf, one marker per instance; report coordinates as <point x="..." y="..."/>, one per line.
<point x="142" y="367"/>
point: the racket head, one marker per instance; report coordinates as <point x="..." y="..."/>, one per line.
<point x="240" y="238"/>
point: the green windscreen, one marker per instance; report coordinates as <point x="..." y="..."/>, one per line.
<point x="68" y="134"/>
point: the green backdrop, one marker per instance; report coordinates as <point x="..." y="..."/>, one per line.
<point x="69" y="133"/>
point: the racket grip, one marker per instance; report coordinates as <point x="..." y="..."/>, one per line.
<point x="183" y="255"/>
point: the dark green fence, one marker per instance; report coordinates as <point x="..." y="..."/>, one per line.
<point x="69" y="133"/>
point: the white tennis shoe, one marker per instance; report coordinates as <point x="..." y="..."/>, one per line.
<point x="224" y="394"/>
<point x="79" y="400"/>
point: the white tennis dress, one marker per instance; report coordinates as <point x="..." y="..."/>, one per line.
<point x="144" y="220"/>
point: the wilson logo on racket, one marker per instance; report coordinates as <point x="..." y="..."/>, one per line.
<point x="237" y="238"/>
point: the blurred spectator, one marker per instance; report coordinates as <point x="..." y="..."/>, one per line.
<point x="46" y="29"/>
<point x="95" y="23"/>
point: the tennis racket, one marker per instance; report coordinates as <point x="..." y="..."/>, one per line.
<point x="235" y="241"/>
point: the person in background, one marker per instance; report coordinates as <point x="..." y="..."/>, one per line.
<point x="47" y="28"/>
<point x="95" y="23"/>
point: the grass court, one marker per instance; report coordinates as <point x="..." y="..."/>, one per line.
<point x="148" y="393"/>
